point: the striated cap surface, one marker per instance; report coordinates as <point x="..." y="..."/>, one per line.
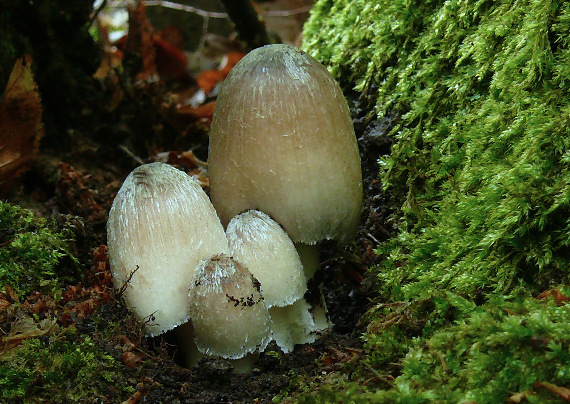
<point x="160" y="226"/>
<point x="282" y="142"/>
<point x="259" y="243"/>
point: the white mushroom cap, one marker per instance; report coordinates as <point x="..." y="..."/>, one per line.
<point x="160" y="226"/>
<point x="229" y="315"/>
<point x="261" y="245"/>
<point x="282" y="142"/>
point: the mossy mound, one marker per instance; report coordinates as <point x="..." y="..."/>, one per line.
<point x="480" y="162"/>
<point x="476" y="99"/>
<point x="68" y="367"/>
<point x="37" y="254"/>
<point x="502" y="350"/>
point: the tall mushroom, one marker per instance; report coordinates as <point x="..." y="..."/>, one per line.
<point x="282" y="142"/>
<point x="160" y="226"/>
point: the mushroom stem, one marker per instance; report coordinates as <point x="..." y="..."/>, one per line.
<point x="245" y="364"/>
<point x="309" y="255"/>
<point x="184" y="335"/>
<point x="293" y="325"/>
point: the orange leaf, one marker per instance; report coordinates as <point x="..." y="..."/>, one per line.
<point x="558" y="296"/>
<point x="20" y="121"/>
<point x="230" y="60"/>
<point x="140" y="41"/>
<point x="170" y="61"/>
<point x="208" y="79"/>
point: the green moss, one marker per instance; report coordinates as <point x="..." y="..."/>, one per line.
<point x="478" y="98"/>
<point x="482" y="354"/>
<point x="492" y="354"/>
<point x="36" y="253"/>
<point x="69" y="367"/>
<point x="480" y="163"/>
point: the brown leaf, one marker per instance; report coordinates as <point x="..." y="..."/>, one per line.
<point x="131" y="359"/>
<point x="173" y="35"/>
<point x="20" y="121"/>
<point x="26" y="328"/>
<point x="11" y="294"/>
<point x="171" y="62"/>
<point x="562" y="392"/>
<point x="140" y="41"/>
<point x="101" y="267"/>
<point x="73" y="191"/>
<point x="4" y="303"/>
<point x="203" y="112"/>
<point x="229" y="61"/>
<point x="134" y="398"/>
<point x="556" y="294"/>
<point x="208" y="79"/>
<point x="519" y="397"/>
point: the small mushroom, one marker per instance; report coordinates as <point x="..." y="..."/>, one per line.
<point x="282" y="142"/>
<point x="228" y="313"/>
<point x="259" y="243"/>
<point x="160" y="226"/>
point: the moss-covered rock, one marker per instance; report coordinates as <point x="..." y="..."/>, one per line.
<point x="503" y="349"/>
<point x="477" y="97"/>
<point x="480" y="161"/>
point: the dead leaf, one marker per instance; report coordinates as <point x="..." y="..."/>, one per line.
<point x="140" y="41"/>
<point x="132" y="359"/>
<point x="102" y="268"/>
<point x="520" y="397"/>
<point x="203" y="112"/>
<point x="208" y="79"/>
<point x="21" y="125"/>
<point x="26" y="328"/>
<point x="173" y="35"/>
<point x="229" y="61"/>
<point x="74" y="193"/>
<point x="134" y="398"/>
<point x="4" y="303"/>
<point x="11" y="294"/>
<point x="556" y="294"/>
<point x="171" y="62"/>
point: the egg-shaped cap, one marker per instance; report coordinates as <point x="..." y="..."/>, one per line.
<point x="282" y="142"/>
<point x="259" y="243"/>
<point x="160" y="226"/>
<point x="228" y="313"/>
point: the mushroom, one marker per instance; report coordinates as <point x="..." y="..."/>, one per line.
<point x="259" y="243"/>
<point x="282" y="142"/>
<point x="228" y="313"/>
<point x="160" y="226"/>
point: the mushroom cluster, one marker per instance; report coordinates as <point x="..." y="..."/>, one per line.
<point x="284" y="174"/>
